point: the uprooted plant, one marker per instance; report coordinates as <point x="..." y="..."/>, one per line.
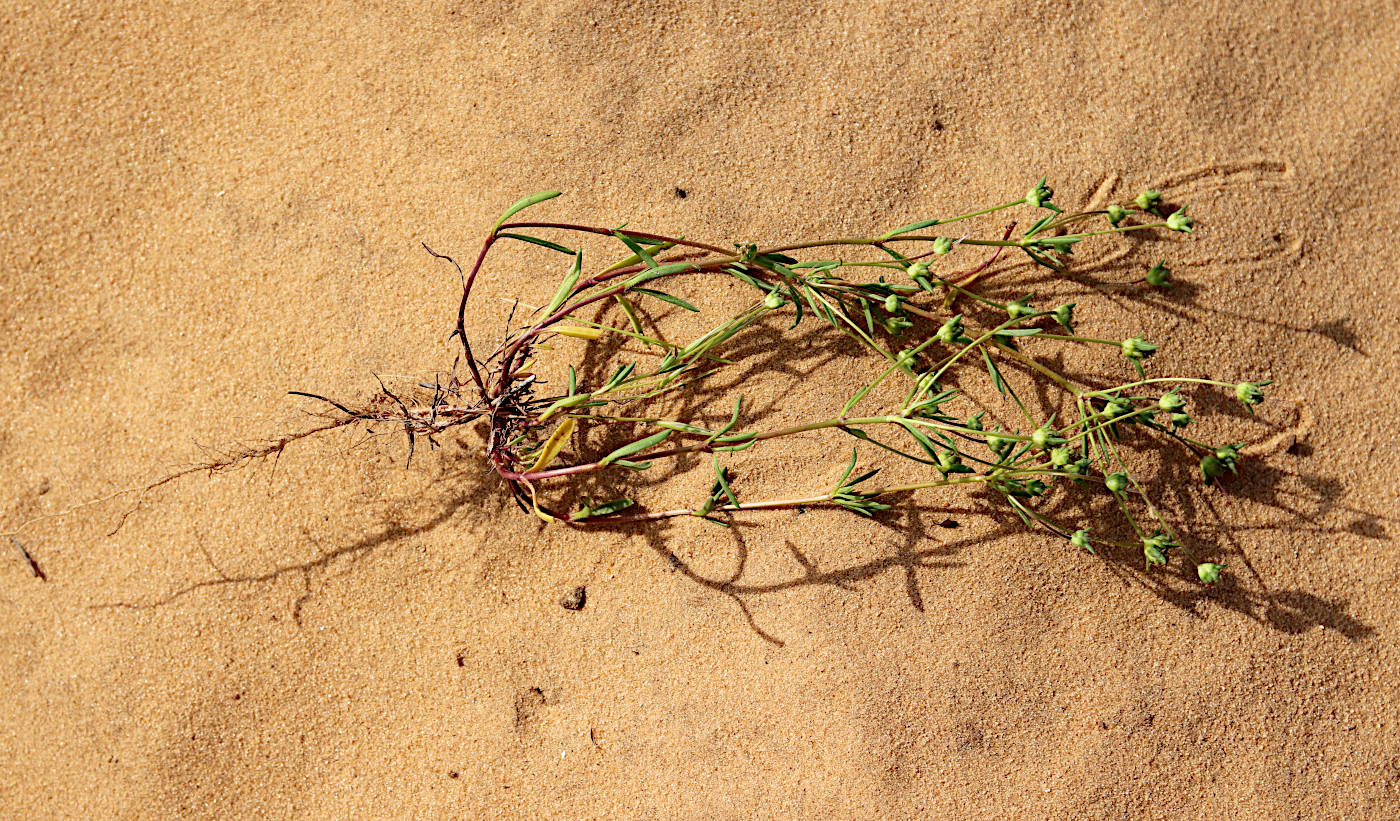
<point x="901" y="306"/>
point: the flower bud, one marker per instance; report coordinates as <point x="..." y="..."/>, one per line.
<point x="1000" y="445"/>
<point x="1116" y="408"/>
<point x="1178" y="221"/>
<point x="1180" y="420"/>
<point x="918" y="269"/>
<point x="1060" y="457"/>
<point x="974" y="422"/>
<point x="1065" y="316"/>
<point x="1040" y="195"/>
<point x="1116" y="482"/>
<point x="1171" y="402"/>
<point x="1019" y="308"/>
<point x="1044" y="438"/>
<point x="774" y="300"/>
<point x="942" y="245"/>
<point x="895" y="325"/>
<point x="1155" y="548"/>
<point x="951" y="331"/>
<point x="892" y="303"/>
<point x="1137" y="348"/>
<point x="1116" y="213"/>
<point x="1081" y="540"/>
<point x="1250" y="393"/>
<point x="1209" y="572"/>
<point x="1214" y="465"/>
<point x="1159" y="275"/>
<point x="950" y="462"/>
<point x="1148" y="199"/>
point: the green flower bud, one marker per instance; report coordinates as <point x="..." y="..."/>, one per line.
<point x="1212" y="468"/>
<point x="1081" y="540"/>
<point x="1180" y="420"/>
<point x="974" y="422"/>
<point x="1148" y="199"/>
<point x="905" y="358"/>
<point x="1080" y="467"/>
<point x="1155" y="548"/>
<point x="1019" y="308"/>
<point x="1116" y="482"/>
<point x="1116" y="213"/>
<point x="1250" y="393"/>
<point x="951" y="331"/>
<point x="1159" y="275"/>
<point x="892" y="303"/>
<point x="1209" y="572"/>
<point x="1044" y="438"/>
<point x="1137" y="348"/>
<point x="896" y="324"/>
<point x="917" y="270"/>
<point x="1214" y="465"/>
<point x="1065" y="316"/>
<point x="942" y="245"/>
<point x="1034" y="487"/>
<point x="1000" y="445"/>
<point x="1178" y="221"/>
<point x="1040" y="195"/>
<point x="950" y="462"/>
<point x="1116" y="408"/>
<point x="774" y="300"/>
<point x="1171" y="402"/>
<point x="1060" y="458"/>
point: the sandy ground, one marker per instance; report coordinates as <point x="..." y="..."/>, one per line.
<point x="209" y="205"/>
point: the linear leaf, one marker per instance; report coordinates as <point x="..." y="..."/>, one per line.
<point x="522" y="204"/>
<point x="913" y="226"/>
<point x="643" y="254"/>
<point x="635" y="447"/>
<point x="553" y="246"/>
<point x="665" y="297"/>
<point x="566" y="288"/>
<point x="554" y="444"/>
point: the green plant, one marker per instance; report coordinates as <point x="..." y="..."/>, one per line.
<point x="902" y="307"/>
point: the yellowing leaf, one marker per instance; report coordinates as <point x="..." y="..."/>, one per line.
<point x="554" y="444"/>
<point x="579" y="333"/>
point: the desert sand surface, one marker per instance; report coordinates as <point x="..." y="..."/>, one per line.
<point x="207" y="205"/>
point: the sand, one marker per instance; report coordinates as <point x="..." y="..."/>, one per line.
<point x="208" y="205"/>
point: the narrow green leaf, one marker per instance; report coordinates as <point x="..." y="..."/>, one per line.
<point x="522" y="204"/>
<point x="733" y="420"/>
<point x="624" y="463"/>
<point x="722" y="479"/>
<point x="619" y="377"/>
<point x="992" y="369"/>
<point x="631" y="311"/>
<point x="913" y="226"/>
<point x="635" y="447"/>
<point x="659" y="271"/>
<point x="664" y="297"/>
<point x="636" y="248"/>
<point x="852" y="466"/>
<point x="553" y="246"/>
<point x="566" y="288"/>
<point x="682" y="427"/>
